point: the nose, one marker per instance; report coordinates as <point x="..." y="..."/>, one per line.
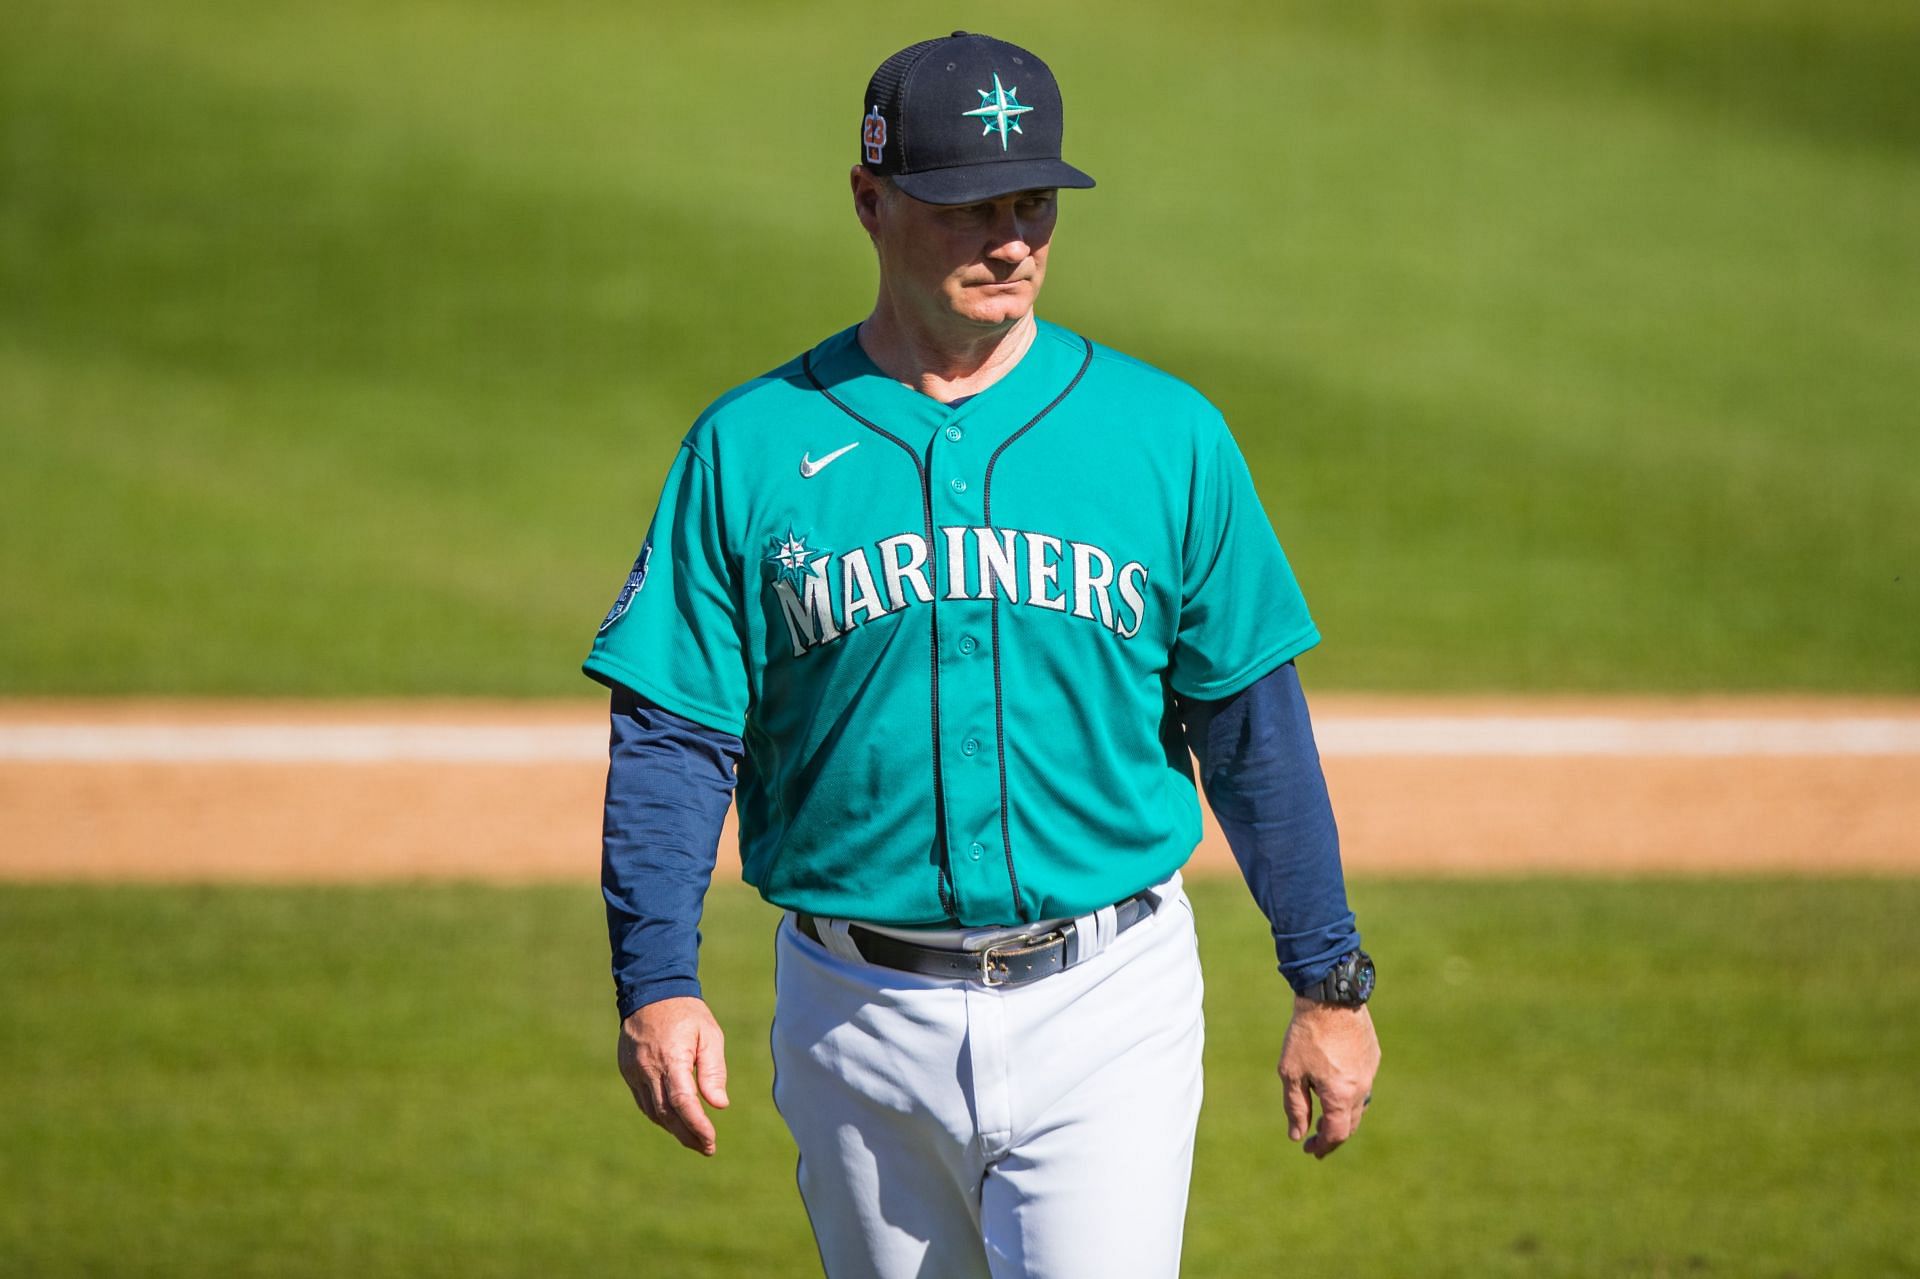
<point x="1008" y="242"/>
<point x="1012" y="250"/>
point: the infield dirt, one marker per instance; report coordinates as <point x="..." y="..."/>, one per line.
<point x="128" y="816"/>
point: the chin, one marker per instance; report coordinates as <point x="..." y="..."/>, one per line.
<point x="1005" y="308"/>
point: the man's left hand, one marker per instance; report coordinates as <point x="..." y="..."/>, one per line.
<point x="1330" y="1052"/>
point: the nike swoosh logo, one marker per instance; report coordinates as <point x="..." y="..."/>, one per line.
<point x="810" y="468"/>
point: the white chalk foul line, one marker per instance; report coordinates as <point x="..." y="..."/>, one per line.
<point x="1414" y="736"/>
<point x="299" y="744"/>
<point x="1590" y="735"/>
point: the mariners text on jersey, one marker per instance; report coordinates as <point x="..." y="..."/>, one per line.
<point x="912" y="613"/>
<point x="823" y="595"/>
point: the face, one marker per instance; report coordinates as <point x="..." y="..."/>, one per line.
<point x="975" y="265"/>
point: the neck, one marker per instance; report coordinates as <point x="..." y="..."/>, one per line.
<point x="943" y="365"/>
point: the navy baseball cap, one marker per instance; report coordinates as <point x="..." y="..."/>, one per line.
<point x="965" y="118"/>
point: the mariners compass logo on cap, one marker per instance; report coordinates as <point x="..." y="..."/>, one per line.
<point x="921" y="108"/>
<point x="1000" y="109"/>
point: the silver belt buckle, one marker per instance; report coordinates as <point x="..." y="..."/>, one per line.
<point x="987" y="958"/>
<point x="1015" y="945"/>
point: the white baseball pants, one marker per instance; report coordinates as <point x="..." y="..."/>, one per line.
<point x="949" y="1129"/>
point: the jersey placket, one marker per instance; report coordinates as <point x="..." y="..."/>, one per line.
<point x="970" y="749"/>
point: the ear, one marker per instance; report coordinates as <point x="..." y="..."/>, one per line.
<point x="868" y="195"/>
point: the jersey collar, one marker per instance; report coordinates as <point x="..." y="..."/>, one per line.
<point x="1047" y="366"/>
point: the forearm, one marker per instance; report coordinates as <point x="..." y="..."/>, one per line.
<point x="1262" y="775"/>
<point x="669" y="782"/>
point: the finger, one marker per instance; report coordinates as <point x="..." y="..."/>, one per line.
<point x="1337" y="1123"/>
<point x="1299" y="1107"/>
<point x="671" y="1122"/>
<point x="683" y="1102"/>
<point x="710" y="1070"/>
<point x="650" y="1094"/>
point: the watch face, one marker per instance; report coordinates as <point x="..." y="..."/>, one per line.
<point x="1363" y="978"/>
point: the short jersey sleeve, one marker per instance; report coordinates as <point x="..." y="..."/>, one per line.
<point x="674" y="633"/>
<point x="1241" y="611"/>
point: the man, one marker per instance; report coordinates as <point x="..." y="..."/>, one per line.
<point x="955" y="591"/>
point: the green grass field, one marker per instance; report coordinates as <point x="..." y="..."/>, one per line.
<point x="1575" y="345"/>
<point x="343" y="345"/>
<point x="1580" y="1079"/>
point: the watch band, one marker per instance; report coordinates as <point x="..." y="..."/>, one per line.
<point x="1342" y="983"/>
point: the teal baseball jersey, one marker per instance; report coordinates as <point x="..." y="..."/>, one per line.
<point x="949" y="637"/>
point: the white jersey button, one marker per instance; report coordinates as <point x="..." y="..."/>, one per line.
<point x="954" y="433"/>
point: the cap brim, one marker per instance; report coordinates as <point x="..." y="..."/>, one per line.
<point x="967" y="183"/>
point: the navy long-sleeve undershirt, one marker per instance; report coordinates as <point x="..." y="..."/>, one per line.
<point x="669" y="781"/>
<point x="1261" y="772"/>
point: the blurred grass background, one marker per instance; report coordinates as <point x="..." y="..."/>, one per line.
<point x="1575" y="344"/>
<point x="1581" y="1078"/>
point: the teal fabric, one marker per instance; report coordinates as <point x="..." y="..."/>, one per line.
<point x="956" y="692"/>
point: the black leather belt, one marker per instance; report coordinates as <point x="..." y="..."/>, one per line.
<point x="1013" y="962"/>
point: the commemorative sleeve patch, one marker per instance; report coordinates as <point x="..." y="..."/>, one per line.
<point x="635" y="580"/>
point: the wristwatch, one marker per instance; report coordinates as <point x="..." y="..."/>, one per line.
<point x="1350" y="984"/>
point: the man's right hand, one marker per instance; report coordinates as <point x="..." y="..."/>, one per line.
<point x="671" y="1055"/>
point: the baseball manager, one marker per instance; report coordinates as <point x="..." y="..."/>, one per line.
<point x="957" y="596"/>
